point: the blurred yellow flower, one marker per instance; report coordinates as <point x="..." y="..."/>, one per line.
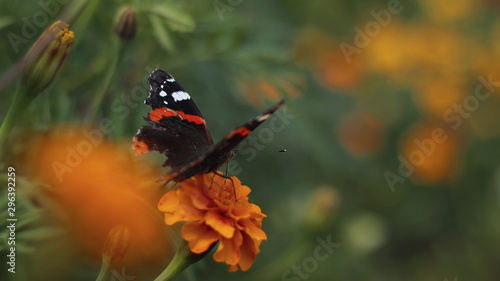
<point x="387" y="53"/>
<point x="449" y="10"/>
<point x="439" y="94"/>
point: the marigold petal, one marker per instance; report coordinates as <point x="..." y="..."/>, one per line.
<point x="248" y="253"/>
<point x="229" y="249"/>
<point x="182" y="211"/>
<point x="256" y="211"/>
<point x="253" y="230"/>
<point x="172" y="218"/>
<point x="189" y="212"/>
<point x="220" y="224"/>
<point x="233" y="268"/>
<point x="200" y="201"/>
<point x="169" y="202"/>
<point x="246" y="210"/>
<point x="242" y="191"/>
<point x="199" y="236"/>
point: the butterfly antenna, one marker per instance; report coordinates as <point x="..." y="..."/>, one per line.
<point x="260" y="150"/>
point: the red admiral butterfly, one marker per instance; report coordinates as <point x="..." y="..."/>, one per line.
<point x="180" y="132"/>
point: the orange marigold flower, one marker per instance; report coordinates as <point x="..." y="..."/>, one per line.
<point x="206" y="202"/>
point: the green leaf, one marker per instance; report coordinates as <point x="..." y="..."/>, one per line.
<point x="177" y="20"/>
<point x="161" y="33"/>
<point x="5" y="21"/>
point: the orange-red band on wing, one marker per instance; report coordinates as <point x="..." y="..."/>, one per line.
<point x="243" y="131"/>
<point x="158" y="113"/>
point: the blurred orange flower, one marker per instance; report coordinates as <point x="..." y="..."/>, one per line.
<point x="97" y="185"/>
<point x="269" y="89"/>
<point x="432" y="152"/>
<point x="333" y="70"/>
<point x="207" y="203"/>
<point x="362" y="134"/>
<point x="320" y="51"/>
<point x="258" y="90"/>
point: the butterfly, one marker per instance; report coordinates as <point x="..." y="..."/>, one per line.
<point x="179" y="131"/>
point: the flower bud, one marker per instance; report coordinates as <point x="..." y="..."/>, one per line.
<point x="47" y="56"/>
<point x="117" y="243"/>
<point x="126" y="23"/>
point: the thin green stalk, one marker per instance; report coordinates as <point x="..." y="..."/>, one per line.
<point x="176" y="266"/>
<point x="105" y="271"/>
<point x="20" y="101"/>
<point x="103" y="89"/>
<point x="85" y="16"/>
<point x="183" y="259"/>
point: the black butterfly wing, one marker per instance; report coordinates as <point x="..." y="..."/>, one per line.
<point x="178" y="129"/>
<point x="222" y="152"/>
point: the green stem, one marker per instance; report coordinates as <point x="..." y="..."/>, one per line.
<point x="105" y="271"/>
<point x="176" y="266"/>
<point x="103" y="89"/>
<point x="84" y="16"/>
<point x="73" y="10"/>
<point x="20" y="101"/>
<point x="183" y="259"/>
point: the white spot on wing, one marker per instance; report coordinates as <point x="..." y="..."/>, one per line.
<point x="161" y="86"/>
<point x="263" y="117"/>
<point x="163" y="93"/>
<point x="180" y="96"/>
<point x="165" y="102"/>
<point x="170" y="79"/>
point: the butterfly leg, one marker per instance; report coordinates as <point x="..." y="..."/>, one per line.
<point x="165" y="179"/>
<point x="226" y="177"/>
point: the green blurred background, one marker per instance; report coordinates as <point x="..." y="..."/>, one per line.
<point x="390" y="123"/>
